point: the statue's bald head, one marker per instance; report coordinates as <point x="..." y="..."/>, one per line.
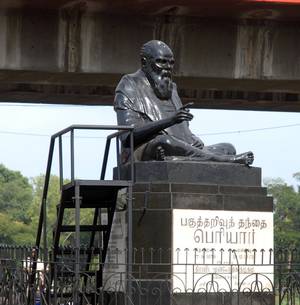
<point x="155" y="48"/>
<point x="157" y="61"/>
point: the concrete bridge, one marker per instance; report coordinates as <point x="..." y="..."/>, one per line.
<point x="230" y="54"/>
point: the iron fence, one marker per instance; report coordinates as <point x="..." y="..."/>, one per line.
<point x="158" y="276"/>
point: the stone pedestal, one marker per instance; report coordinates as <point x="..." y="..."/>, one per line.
<point x="188" y="218"/>
<point x="194" y="172"/>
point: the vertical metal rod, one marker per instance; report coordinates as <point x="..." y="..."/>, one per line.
<point x="45" y="192"/>
<point x="105" y="158"/>
<point x="77" y="243"/>
<point x="129" y="239"/>
<point x="45" y="230"/>
<point x="72" y="154"/>
<point x="45" y="254"/>
<point x="132" y="157"/>
<point x="129" y="222"/>
<point x="118" y="156"/>
<point x="61" y="167"/>
<point x="55" y="284"/>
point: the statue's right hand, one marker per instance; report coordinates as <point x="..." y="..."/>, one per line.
<point x="182" y="115"/>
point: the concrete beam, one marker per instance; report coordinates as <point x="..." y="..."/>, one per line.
<point x="48" y="52"/>
<point x="98" y="89"/>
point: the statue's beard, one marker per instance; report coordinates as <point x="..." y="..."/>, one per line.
<point x="162" y="84"/>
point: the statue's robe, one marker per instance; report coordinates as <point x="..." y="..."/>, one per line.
<point x="142" y="106"/>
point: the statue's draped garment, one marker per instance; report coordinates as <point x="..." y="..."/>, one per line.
<point x="142" y="106"/>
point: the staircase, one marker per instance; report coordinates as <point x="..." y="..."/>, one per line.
<point x="101" y="197"/>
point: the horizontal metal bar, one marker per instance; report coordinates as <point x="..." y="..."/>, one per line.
<point x="92" y="127"/>
<point x="89" y="204"/>
<point x="84" y="228"/>
<point x="98" y="183"/>
<point x="118" y="133"/>
<point x="65" y="251"/>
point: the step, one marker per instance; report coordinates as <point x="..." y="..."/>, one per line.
<point x="70" y="204"/>
<point x="67" y="251"/>
<point x="83" y="228"/>
<point x="93" y="190"/>
<point x="68" y="295"/>
<point x="72" y="273"/>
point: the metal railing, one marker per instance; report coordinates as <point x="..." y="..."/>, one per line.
<point x="121" y="130"/>
<point x="156" y="278"/>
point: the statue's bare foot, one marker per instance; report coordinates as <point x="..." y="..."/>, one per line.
<point x="246" y="158"/>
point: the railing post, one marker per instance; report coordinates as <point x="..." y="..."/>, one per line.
<point x="77" y="200"/>
<point x="61" y="168"/>
<point x="45" y="244"/>
<point x="105" y="159"/>
<point x="72" y="154"/>
<point x="132" y="178"/>
<point x="118" y="157"/>
<point x="129" y="223"/>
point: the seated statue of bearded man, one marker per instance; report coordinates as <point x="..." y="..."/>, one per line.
<point x="148" y="101"/>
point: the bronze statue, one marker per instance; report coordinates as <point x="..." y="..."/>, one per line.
<point x="148" y="100"/>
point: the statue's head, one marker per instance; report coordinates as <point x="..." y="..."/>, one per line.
<point x="157" y="63"/>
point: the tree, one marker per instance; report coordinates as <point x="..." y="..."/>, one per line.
<point x="20" y="203"/>
<point x="52" y="200"/>
<point x="15" y="232"/>
<point x="286" y="213"/>
<point x="16" y="194"/>
<point x="297" y="176"/>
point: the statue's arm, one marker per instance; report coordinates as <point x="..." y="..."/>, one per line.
<point x="144" y="130"/>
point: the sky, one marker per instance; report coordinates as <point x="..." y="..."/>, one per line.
<point x="25" y="131"/>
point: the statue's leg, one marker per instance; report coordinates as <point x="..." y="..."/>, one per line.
<point x="220" y="149"/>
<point x="171" y="147"/>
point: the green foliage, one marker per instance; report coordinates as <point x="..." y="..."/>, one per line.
<point x="52" y="200"/>
<point x="286" y="213"/>
<point x="297" y="176"/>
<point x="16" y="194"/>
<point x="14" y="232"/>
<point x="20" y="202"/>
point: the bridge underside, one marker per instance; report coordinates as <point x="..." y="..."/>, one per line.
<point x="247" y="57"/>
<point x="98" y="89"/>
